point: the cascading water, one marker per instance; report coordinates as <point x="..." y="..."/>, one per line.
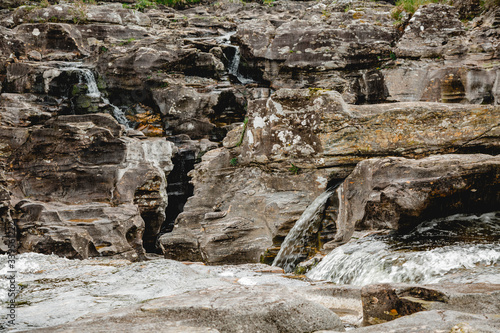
<point x="87" y="77"/>
<point x="234" y="64"/>
<point x="459" y="249"/>
<point x="288" y="256"/>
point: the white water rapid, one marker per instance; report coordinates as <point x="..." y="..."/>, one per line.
<point x="288" y="255"/>
<point x="458" y="249"/>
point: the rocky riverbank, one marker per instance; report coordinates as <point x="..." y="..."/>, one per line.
<point x="204" y="133"/>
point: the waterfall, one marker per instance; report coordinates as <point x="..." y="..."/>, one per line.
<point x="117" y="113"/>
<point x="288" y="256"/>
<point x="415" y="258"/>
<point x="234" y="62"/>
<point x="87" y="77"/>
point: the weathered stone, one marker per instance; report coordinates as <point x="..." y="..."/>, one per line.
<point x="59" y="161"/>
<point x="409" y="130"/>
<point x="224" y="309"/>
<point x="287" y="54"/>
<point x="318" y="129"/>
<point x="240" y="234"/>
<point x="80" y="231"/>
<point x="433" y="31"/>
<point x="435" y="321"/>
<point x="84" y="159"/>
<point x="387" y="302"/>
<point x="82" y="13"/>
<point x="143" y="180"/>
<point x="20" y="110"/>
<point x="398" y="193"/>
<point x="473" y="82"/>
<point x="50" y="38"/>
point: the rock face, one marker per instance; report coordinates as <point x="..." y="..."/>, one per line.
<point x="224" y="309"/>
<point x="398" y="193"/>
<point x="430" y="321"/>
<point x="217" y="226"/>
<point x="81" y="231"/>
<point x="315" y="134"/>
<point x="86" y="163"/>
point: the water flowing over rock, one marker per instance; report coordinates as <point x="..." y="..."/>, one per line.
<point x="435" y="255"/>
<point x="288" y="256"/>
<point x="204" y="131"/>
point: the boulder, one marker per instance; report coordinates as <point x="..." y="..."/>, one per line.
<point x="316" y="128"/>
<point x="80" y="231"/>
<point x="398" y="193"/>
<point x="218" y="309"/>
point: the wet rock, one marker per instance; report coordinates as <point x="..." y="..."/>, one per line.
<point x="80" y="231"/>
<point x="387" y="302"/>
<point x="432" y="321"/>
<point x="225" y="309"/>
<point x="398" y="193"/>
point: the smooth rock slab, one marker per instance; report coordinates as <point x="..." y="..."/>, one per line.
<point x="225" y="309"/>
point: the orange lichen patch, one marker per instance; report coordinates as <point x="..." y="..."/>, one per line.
<point x="151" y="130"/>
<point x="83" y="220"/>
<point x="148" y="122"/>
<point x="357" y="15"/>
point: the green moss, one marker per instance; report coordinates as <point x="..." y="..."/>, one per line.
<point x="233" y="161"/>
<point x="126" y="42"/>
<point x="75" y="91"/>
<point x="240" y="141"/>
<point x="410" y="6"/>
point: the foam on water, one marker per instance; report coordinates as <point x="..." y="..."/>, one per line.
<point x="377" y="259"/>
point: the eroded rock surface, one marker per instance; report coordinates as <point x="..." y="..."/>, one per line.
<point x="398" y="193"/>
